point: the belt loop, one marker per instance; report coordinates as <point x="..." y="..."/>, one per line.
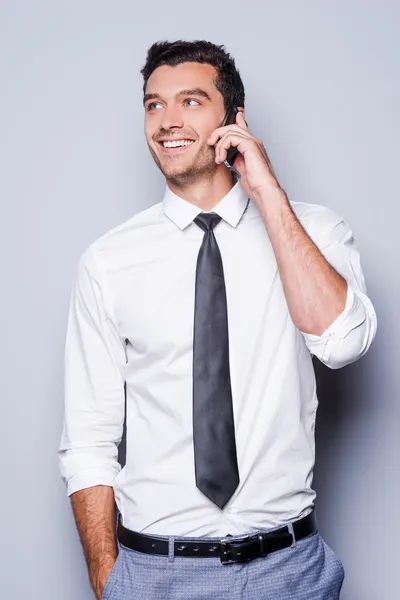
<point x="171" y="546"/>
<point x="291" y="531"/>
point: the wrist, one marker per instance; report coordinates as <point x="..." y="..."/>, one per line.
<point x="269" y="199"/>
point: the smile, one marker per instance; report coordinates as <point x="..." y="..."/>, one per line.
<point x="175" y="145"/>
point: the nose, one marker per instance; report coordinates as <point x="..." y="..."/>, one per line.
<point x="172" y="117"/>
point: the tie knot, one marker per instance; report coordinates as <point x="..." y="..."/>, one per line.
<point x="207" y="221"/>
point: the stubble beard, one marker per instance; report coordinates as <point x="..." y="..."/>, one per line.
<point x="203" y="166"/>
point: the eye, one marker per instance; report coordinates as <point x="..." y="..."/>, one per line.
<point x="191" y="100"/>
<point x="151" y="104"/>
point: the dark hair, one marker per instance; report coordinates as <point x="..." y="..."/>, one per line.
<point x="228" y="81"/>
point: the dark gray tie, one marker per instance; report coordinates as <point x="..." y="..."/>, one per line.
<point x="216" y="468"/>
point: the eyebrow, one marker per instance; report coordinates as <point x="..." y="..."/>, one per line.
<point x="192" y="92"/>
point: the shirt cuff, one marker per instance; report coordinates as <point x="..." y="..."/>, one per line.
<point x="90" y="478"/>
<point x="352" y="315"/>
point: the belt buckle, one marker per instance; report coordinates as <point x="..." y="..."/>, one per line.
<point x="225" y="547"/>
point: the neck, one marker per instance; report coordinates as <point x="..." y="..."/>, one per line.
<point x="207" y="192"/>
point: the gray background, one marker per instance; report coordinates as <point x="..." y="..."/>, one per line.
<point x="323" y="93"/>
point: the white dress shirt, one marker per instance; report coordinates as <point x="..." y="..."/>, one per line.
<point x="131" y="322"/>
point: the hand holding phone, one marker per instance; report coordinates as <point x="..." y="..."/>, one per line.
<point x="232" y="151"/>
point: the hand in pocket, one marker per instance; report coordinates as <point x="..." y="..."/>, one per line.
<point x="105" y="578"/>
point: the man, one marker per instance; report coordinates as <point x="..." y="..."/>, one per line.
<point x="205" y="311"/>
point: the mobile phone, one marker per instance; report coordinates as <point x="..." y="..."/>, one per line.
<point x="232" y="151"/>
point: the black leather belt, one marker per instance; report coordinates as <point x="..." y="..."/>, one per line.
<point x="230" y="549"/>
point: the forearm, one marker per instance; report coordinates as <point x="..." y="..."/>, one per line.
<point x="94" y="512"/>
<point x="315" y="292"/>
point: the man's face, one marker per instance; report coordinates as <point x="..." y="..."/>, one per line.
<point x="183" y="105"/>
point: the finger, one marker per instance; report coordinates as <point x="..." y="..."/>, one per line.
<point x="221" y="131"/>
<point x="229" y="139"/>
<point x="240" y="120"/>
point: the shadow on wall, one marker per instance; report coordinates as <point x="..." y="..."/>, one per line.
<point x="340" y="394"/>
<point x="122" y="446"/>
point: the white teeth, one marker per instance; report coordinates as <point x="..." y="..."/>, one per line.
<point x="177" y="143"/>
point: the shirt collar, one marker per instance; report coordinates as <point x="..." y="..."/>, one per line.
<point x="231" y="207"/>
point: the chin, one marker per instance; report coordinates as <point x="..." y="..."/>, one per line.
<point x="191" y="174"/>
<point x="177" y="173"/>
<point x="184" y="174"/>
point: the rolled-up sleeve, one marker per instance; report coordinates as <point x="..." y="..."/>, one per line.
<point x="94" y="377"/>
<point x="351" y="334"/>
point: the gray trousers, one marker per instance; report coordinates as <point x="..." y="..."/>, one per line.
<point x="309" y="570"/>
